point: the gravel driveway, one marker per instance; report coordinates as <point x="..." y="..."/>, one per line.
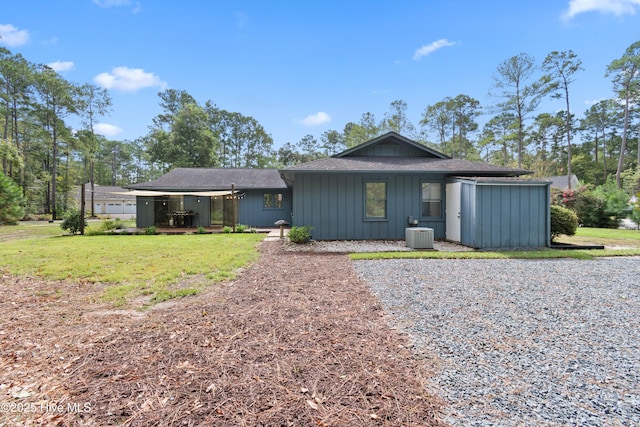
<point x="522" y="342"/>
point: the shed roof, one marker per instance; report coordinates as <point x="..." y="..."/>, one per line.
<point x="509" y="180"/>
<point x="204" y="179"/>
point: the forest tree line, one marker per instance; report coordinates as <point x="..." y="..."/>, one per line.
<point x="47" y="159"/>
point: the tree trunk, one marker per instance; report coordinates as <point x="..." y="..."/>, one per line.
<point x="54" y="172"/>
<point x="569" y="148"/>
<point x="623" y="147"/>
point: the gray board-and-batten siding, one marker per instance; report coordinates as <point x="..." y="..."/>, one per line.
<point x="507" y="214"/>
<point x="334" y="205"/>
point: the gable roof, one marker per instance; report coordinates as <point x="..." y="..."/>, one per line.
<point x="394" y="140"/>
<point x="562" y="182"/>
<point x="392" y="152"/>
<point x="203" y="179"/>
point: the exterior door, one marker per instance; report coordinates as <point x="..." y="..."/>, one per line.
<point x="222" y="211"/>
<point x="453" y="214"/>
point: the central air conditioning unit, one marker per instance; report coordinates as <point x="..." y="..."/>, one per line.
<point x="419" y="237"/>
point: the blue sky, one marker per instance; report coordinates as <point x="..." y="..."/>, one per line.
<point x="305" y="67"/>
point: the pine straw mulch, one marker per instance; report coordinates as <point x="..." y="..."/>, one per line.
<point x="295" y="340"/>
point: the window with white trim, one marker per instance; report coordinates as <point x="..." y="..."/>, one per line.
<point x="431" y="200"/>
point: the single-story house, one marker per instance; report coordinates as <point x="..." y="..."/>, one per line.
<point x="375" y="190"/>
<point x="561" y="182"/>
<point x="109" y="200"/>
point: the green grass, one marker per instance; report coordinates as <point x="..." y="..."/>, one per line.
<point x="604" y="236"/>
<point x="626" y="241"/>
<point x="540" y="254"/>
<point x="29" y="230"/>
<point x="131" y="265"/>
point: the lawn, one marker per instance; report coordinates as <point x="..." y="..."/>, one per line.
<point x="158" y="267"/>
<point x="616" y="242"/>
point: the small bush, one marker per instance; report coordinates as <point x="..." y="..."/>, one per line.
<point x="226" y="229"/>
<point x="300" y="234"/>
<point x="72" y="221"/>
<point x="240" y="228"/>
<point x="202" y="230"/>
<point x="108" y="225"/>
<point x="150" y="231"/>
<point x="563" y="221"/>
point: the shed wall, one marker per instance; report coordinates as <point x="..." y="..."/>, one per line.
<point x="505" y="215"/>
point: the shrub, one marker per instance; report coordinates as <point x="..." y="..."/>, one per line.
<point x="107" y="225"/>
<point x="150" y="231"/>
<point x="603" y="206"/>
<point x="202" y="230"/>
<point x="226" y="229"/>
<point x="563" y="221"/>
<point x="72" y="221"/>
<point x="635" y="211"/>
<point x="11" y="201"/>
<point x="240" y="228"/>
<point x="300" y="234"/>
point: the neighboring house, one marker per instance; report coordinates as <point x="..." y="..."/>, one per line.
<point x="562" y="182"/>
<point x="373" y="191"/>
<point x="109" y="201"/>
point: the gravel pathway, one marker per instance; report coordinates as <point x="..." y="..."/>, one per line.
<point x="522" y="342"/>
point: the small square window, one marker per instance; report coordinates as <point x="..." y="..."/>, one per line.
<point x="273" y="201"/>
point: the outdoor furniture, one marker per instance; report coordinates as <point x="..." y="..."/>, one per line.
<point x="183" y="218"/>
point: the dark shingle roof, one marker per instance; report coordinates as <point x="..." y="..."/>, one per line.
<point x="562" y="182"/>
<point x="199" y="179"/>
<point x="405" y="164"/>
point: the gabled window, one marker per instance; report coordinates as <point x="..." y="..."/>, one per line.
<point x="273" y="201"/>
<point x="431" y="200"/>
<point x="375" y="200"/>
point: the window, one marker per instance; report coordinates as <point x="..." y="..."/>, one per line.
<point x="375" y="200"/>
<point x="431" y="199"/>
<point x="273" y="201"/>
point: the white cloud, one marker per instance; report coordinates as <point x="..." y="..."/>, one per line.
<point x="128" y="79"/>
<point x="112" y="3"/>
<point x="616" y="7"/>
<point x="11" y="36"/>
<point x="106" y="129"/>
<point x="316" y="119"/>
<point x="242" y="20"/>
<point x="136" y="8"/>
<point x="590" y="102"/>
<point x="59" y="66"/>
<point x="430" y="48"/>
